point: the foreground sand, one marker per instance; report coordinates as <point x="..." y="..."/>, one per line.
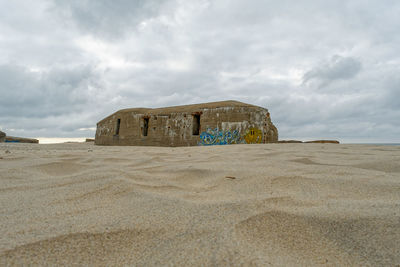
<point x="289" y="204"/>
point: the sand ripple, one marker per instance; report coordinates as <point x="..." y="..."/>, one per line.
<point x="239" y="205"/>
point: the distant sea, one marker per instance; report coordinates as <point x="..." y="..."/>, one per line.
<point x="55" y="140"/>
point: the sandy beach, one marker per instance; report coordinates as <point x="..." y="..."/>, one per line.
<point x="238" y="205"/>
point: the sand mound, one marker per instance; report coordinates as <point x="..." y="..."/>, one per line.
<point x="60" y="168"/>
<point x="312" y="240"/>
<point x="384" y="166"/>
<point x="240" y="205"/>
<point x="105" y="249"/>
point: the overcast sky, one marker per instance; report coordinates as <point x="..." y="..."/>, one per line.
<point x="324" y="69"/>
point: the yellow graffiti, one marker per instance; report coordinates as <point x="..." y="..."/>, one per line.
<point x="253" y="136"/>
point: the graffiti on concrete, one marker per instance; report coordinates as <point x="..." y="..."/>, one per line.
<point x="253" y="136"/>
<point x="218" y="137"/>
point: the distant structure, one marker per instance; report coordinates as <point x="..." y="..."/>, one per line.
<point x="2" y="136"/>
<point x="216" y="123"/>
<point x="13" y="139"/>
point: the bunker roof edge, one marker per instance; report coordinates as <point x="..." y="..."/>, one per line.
<point x="184" y="108"/>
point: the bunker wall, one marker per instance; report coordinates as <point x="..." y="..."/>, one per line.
<point x="217" y="126"/>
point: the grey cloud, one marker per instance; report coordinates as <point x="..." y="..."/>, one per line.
<point x="108" y="19"/>
<point x="58" y="91"/>
<point x="337" y="68"/>
<point x="64" y="125"/>
<point x="67" y="64"/>
<point x="391" y="97"/>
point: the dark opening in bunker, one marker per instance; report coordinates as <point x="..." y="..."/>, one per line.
<point x="145" y="126"/>
<point x="117" y="127"/>
<point x="196" y="124"/>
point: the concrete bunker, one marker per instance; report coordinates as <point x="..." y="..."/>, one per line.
<point x="215" y="123"/>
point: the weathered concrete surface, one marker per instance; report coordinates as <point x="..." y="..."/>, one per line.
<point x="13" y="139"/>
<point x="219" y="123"/>
<point x="2" y="136"/>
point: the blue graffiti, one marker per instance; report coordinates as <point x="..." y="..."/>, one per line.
<point x="217" y="137"/>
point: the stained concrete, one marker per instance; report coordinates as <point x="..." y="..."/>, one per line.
<point x="225" y="122"/>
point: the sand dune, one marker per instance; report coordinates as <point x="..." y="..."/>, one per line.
<point x="251" y="205"/>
